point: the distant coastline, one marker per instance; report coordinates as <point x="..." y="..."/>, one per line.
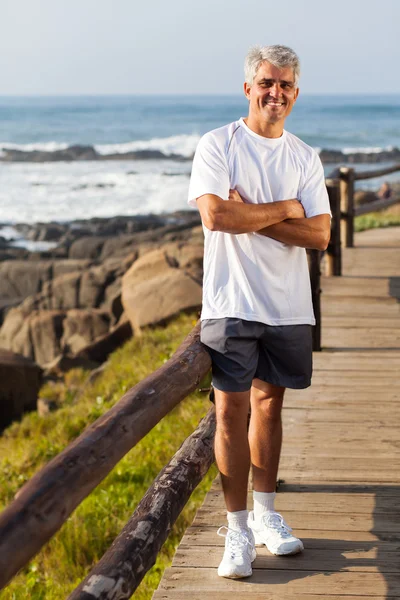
<point x="90" y="153"/>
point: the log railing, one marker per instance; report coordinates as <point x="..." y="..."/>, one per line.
<point x="45" y="502"/>
<point x="348" y="211"/>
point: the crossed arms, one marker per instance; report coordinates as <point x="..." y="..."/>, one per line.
<point x="284" y="220"/>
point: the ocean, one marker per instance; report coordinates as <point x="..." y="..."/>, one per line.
<point x="64" y="191"/>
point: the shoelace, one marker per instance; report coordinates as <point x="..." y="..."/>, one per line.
<point x="275" y="521"/>
<point x="236" y="540"/>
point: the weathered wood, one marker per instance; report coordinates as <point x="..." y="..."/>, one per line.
<point x="204" y="535"/>
<point x="376" y="173"/>
<point x="134" y="551"/>
<point x="347" y="205"/>
<point x="375" y="206"/>
<point x="317" y="502"/>
<point x="322" y="559"/>
<point x="266" y="594"/>
<point x="334" y="251"/>
<point x="315" y="278"/>
<point x="280" y="583"/>
<point x="46" y="501"/>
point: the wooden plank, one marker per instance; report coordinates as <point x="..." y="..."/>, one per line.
<point x="360" y="338"/>
<point x="356" y="322"/>
<point x="387" y="237"/>
<point x="375" y="415"/>
<point x="346" y="503"/>
<point x="283" y="582"/>
<point x="206" y="535"/>
<point x="325" y="559"/>
<point x="323" y="521"/>
<point x="264" y="595"/>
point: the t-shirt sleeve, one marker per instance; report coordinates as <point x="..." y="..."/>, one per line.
<point x="210" y="172"/>
<point x="313" y="194"/>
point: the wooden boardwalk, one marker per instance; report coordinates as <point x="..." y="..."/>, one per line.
<point x="341" y="456"/>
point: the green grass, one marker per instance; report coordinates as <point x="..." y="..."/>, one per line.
<point x="375" y="220"/>
<point x="28" y="445"/>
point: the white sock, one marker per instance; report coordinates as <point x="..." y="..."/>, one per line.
<point x="238" y="520"/>
<point x="263" y="502"/>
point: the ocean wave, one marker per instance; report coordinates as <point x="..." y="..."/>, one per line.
<point x="182" y="145"/>
<point x="39" y="146"/>
<point x="368" y="150"/>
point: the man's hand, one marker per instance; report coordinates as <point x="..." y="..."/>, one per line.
<point x="235" y="196"/>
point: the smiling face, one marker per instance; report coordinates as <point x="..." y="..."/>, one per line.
<point x="271" y="98"/>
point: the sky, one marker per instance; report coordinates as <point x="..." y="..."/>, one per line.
<point x="79" y="47"/>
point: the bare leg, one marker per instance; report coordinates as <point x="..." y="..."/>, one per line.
<point x="265" y="434"/>
<point x="232" y="452"/>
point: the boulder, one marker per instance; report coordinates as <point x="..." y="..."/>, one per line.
<point x="158" y="285"/>
<point x="15" y="332"/>
<point x="20" y="380"/>
<point x="21" y="278"/>
<point x="87" y="247"/>
<point x="82" y="327"/>
<point x="46" y="330"/>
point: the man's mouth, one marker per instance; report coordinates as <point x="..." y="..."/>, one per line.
<point x="274" y="103"/>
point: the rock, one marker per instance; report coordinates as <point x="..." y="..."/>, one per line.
<point x="20" y="380"/>
<point x="87" y="247"/>
<point x="22" y="278"/>
<point x="45" y="334"/>
<point x="62" y="364"/>
<point x="81" y="328"/>
<point x="46" y="330"/>
<point x="158" y="286"/>
<point x="46" y="232"/>
<point x="101" y="348"/>
<point x="94" y="283"/>
<point x="15" y="332"/>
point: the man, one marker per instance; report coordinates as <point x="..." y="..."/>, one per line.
<point x="262" y="198"/>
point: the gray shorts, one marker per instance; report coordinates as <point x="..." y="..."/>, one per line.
<point x="245" y="350"/>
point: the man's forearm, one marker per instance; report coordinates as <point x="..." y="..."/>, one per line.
<point x="238" y="217"/>
<point x="306" y="233"/>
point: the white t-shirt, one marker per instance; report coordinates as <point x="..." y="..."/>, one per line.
<point x="250" y="276"/>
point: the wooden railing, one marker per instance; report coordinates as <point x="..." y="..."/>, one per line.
<point x="348" y="211"/>
<point x="45" y="502"/>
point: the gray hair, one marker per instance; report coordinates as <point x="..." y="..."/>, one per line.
<point x="279" y="56"/>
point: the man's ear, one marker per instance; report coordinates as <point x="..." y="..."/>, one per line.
<point x="246" y="89"/>
<point x="296" y="94"/>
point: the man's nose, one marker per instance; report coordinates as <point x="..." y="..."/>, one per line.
<point x="275" y="90"/>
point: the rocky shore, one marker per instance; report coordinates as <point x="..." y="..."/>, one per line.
<point x="89" y="153"/>
<point x="103" y="280"/>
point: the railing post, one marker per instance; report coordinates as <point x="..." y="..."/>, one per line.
<point x="334" y="251"/>
<point x="314" y="257"/>
<point x="347" y="205"/>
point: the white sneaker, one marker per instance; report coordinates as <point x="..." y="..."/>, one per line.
<point x="239" y="553"/>
<point x="272" y="531"/>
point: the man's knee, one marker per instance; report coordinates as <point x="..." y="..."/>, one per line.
<point x="231" y="409"/>
<point x="267" y="399"/>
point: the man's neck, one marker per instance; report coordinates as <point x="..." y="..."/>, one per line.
<point x="268" y="130"/>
